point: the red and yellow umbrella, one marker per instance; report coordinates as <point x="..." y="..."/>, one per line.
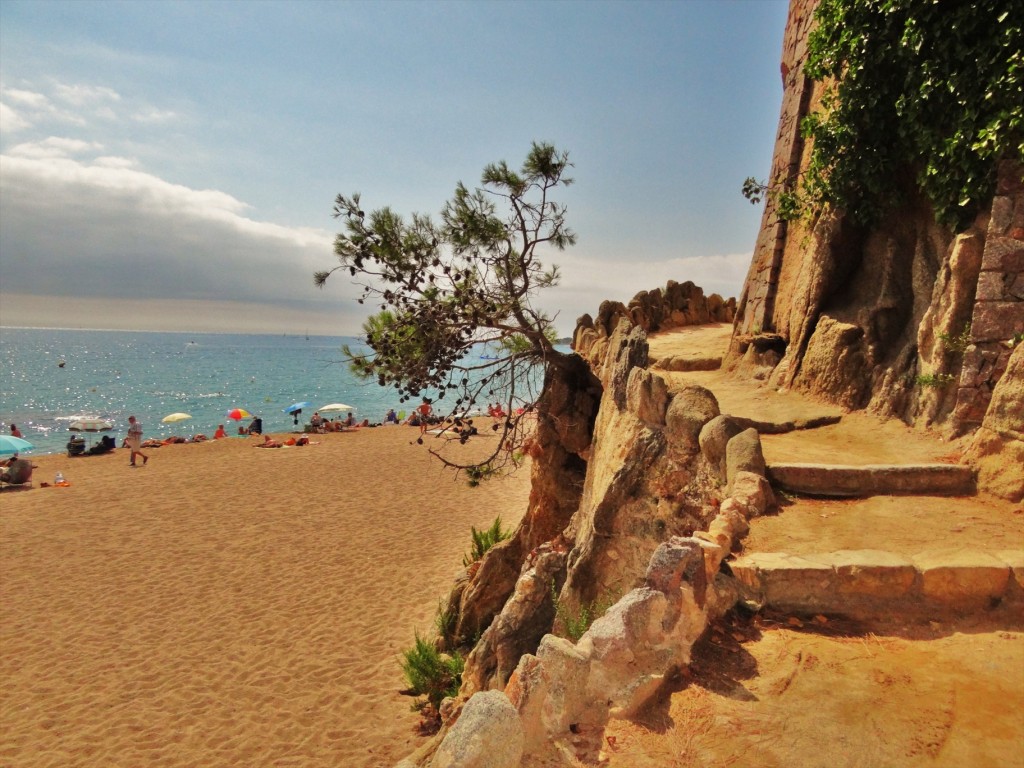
<point x="238" y="414"/>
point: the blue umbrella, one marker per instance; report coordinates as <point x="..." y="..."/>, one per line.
<point x="296" y="407"/>
<point x="10" y="444"/>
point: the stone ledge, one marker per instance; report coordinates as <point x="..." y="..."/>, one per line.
<point x="874" y="583"/>
<point x="873" y="479"/>
<point x="683" y="364"/>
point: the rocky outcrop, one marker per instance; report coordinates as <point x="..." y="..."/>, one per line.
<point x="563" y="437"/>
<point x="906" y="318"/>
<point x="564" y="695"/>
<point x="674" y="306"/>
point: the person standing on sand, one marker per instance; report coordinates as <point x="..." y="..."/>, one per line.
<point x="425" y="411"/>
<point x="134" y="441"/>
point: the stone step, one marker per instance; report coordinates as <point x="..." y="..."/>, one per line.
<point x="779" y="427"/>
<point x="687" y="363"/>
<point x="865" y="584"/>
<point x="873" y="479"/>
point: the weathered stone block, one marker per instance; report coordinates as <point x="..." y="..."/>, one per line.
<point x="743" y="454"/>
<point x="673" y="562"/>
<point x="1003" y="254"/>
<point x="713" y="439"/>
<point x="961" y="578"/>
<point x="753" y="490"/>
<point x="997" y="320"/>
<point x="789" y="582"/>
<point x="874" y="479"/>
<point x="689" y="410"/>
<point x="647" y="396"/>
<point x="873" y="573"/>
<point x="992" y="286"/>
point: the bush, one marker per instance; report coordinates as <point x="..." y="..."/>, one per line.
<point x="431" y="673"/>
<point x="484" y="540"/>
<point x="574" y="624"/>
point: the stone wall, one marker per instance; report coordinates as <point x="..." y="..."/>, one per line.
<point x="998" y="317"/>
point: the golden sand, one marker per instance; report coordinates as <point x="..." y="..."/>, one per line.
<point x="226" y="605"/>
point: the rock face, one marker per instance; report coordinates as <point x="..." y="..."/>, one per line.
<point x="906" y="318"/>
<point x="564" y="432"/>
<point x="674" y="306"/>
<point x="647" y="478"/>
<point x="997" y="449"/>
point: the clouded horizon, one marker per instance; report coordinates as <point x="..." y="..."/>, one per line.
<point x="172" y="166"/>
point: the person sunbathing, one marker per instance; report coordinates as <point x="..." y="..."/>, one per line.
<point x="267" y="443"/>
<point x="17" y="472"/>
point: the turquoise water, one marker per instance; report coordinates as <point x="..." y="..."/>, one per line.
<point x="113" y="374"/>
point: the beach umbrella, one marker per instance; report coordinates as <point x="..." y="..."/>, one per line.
<point x="173" y="417"/>
<point x="296" y="407"/>
<point x="335" y="407"/>
<point x="238" y="414"/>
<point x="10" y="444"/>
<point x="90" y="424"/>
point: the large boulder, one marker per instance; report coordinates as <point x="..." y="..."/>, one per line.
<point x="488" y="734"/>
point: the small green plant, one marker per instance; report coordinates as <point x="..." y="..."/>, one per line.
<point x="959" y="343"/>
<point x="575" y="623"/>
<point x="431" y="673"/>
<point x="444" y="623"/>
<point x="484" y="540"/>
<point x="935" y="379"/>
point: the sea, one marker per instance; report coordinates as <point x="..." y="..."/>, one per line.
<point x="50" y="377"/>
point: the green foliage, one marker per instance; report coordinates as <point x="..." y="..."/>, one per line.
<point x="920" y="89"/>
<point x="935" y="380"/>
<point x="445" y="286"/>
<point x="431" y="673"/>
<point x="484" y="540"/>
<point x="959" y="343"/>
<point x="574" y="624"/>
<point x="444" y="623"/>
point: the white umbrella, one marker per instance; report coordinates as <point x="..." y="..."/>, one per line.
<point x="90" y="424"/>
<point x="173" y="417"/>
<point x="335" y="407"/>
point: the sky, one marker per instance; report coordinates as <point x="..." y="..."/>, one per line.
<point x="173" y="165"/>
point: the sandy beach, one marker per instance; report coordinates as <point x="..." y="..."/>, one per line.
<point x="227" y="605"/>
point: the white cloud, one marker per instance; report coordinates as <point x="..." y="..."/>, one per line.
<point x="53" y="147"/>
<point x="83" y="95"/>
<point x="153" y="115"/>
<point x="26" y="98"/>
<point x="11" y="121"/>
<point x="110" y="161"/>
<point x="103" y="230"/>
<point x="109" y="232"/>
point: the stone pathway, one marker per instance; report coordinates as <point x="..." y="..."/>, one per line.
<point x="813" y="450"/>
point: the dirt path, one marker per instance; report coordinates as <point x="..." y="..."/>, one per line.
<point x="776" y="696"/>
<point x="768" y="693"/>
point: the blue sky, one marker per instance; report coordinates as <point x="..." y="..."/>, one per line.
<point x="172" y="165"/>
